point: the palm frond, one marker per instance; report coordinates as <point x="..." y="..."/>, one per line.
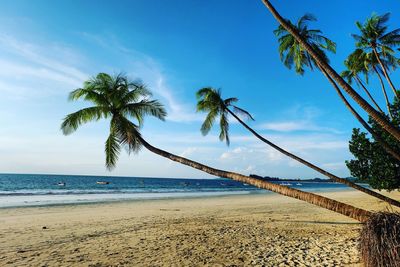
<point x="143" y="108"/>
<point x="224" y="129"/>
<point x="242" y="113"/>
<point x="209" y="121"/>
<point x="128" y="134"/>
<point x="112" y="149"/>
<point x="228" y="102"/>
<point x="72" y="121"/>
<point x="305" y="19"/>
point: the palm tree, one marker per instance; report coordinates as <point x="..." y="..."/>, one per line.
<point x="370" y="62"/>
<point x="210" y="101"/>
<point x="374" y="36"/>
<point x="319" y="61"/>
<point x="291" y="53"/>
<point x="354" y="68"/>
<point x="119" y="100"/>
<point x="290" y="50"/>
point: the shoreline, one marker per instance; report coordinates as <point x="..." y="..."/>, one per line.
<point x="241" y="230"/>
<point x="142" y="196"/>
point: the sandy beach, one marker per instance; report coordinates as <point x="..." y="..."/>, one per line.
<point x="246" y="230"/>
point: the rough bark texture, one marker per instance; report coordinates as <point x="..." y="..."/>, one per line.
<point x="379" y="118"/>
<point x="330" y="204"/>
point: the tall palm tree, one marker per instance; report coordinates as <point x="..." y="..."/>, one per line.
<point x="392" y="151"/>
<point x="354" y="68"/>
<point x="292" y="53"/>
<point x="210" y="101"/>
<point x="374" y="36"/>
<point x="290" y="49"/>
<point x="319" y="60"/>
<point x="369" y="63"/>
<point x="119" y="100"/>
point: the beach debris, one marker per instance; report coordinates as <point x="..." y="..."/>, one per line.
<point x="44" y="227"/>
<point x="380" y="240"/>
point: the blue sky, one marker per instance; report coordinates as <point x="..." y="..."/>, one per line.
<point x="175" y="47"/>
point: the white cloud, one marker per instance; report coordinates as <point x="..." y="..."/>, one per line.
<point x="28" y="69"/>
<point x="302" y="118"/>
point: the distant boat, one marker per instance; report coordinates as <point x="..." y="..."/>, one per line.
<point x="61" y="183"/>
<point x="102" y="182"/>
<point x="245" y="184"/>
<point x="287" y="184"/>
<point x="298" y="184"/>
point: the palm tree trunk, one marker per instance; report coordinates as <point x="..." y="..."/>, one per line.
<point x="379" y="118"/>
<point x="316" y="168"/>
<point x="385" y="73"/>
<point x="376" y="136"/>
<point x="384" y="92"/>
<point x="368" y="93"/>
<point x="330" y="204"/>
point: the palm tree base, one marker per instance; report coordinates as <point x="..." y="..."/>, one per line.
<point x="380" y="240"/>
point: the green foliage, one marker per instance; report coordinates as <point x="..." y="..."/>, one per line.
<point x="372" y="164"/>
<point x="120" y="99"/>
<point x="292" y="53"/>
<point x="374" y="35"/>
<point x="210" y="101"/>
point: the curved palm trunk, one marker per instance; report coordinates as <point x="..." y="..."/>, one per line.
<point x="376" y="136"/>
<point x="385" y="73"/>
<point x="379" y="118"/>
<point x="327" y="203"/>
<point x="384" y="92"/>
<point x="316" y="168"/>
<point x="368" y="93"/>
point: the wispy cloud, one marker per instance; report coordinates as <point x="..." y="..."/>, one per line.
<point x="148" y="69"/>
<point x="34" y="68"/>
<point x="292" y="126"/>
<point x="302" y="118"/>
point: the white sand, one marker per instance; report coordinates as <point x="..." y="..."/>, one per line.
<point x="268" y="230"/>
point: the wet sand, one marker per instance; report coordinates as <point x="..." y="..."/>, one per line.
<point x="245" y="230"/>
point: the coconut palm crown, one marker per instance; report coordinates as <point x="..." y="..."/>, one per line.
<point x="210" y="100"/>
<point x="292" y="53"/>
<point x="375" y="38"/>
<point x="118" y="99"/>
<point x="374" y="35"/>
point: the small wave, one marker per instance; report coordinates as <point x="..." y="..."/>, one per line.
<point x="109" y="191"/>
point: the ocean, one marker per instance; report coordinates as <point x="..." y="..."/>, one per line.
<point x="21" y="190"/>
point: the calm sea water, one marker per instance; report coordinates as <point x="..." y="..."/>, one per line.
<point x="17" y="190"/>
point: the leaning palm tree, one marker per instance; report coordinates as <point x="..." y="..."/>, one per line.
<point x="320" y="61"/>
<point x="380" y="242"/>
<point x="374" y="37"/>
<point x="354" y="68"/>
<point x="211" y="101"/>
<point x="120" y="100"/>
<point x="292" y="53"/>
<point x="371" y="65"/>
